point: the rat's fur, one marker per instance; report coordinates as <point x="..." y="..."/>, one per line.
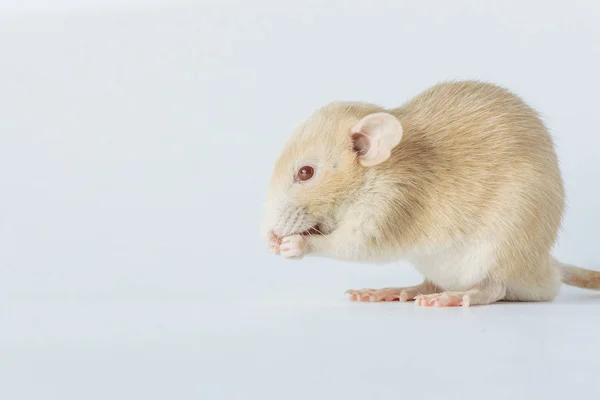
<point x="472" y="195"/>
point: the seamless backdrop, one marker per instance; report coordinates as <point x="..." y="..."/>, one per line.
<point x="136" y="143"/>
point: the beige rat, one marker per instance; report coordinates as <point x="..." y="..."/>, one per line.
<point x="462" y="181"/>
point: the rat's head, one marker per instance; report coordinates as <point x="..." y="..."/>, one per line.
<point x="324" y="163"/>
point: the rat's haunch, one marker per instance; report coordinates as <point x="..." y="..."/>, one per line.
<point x="462" y="181"/>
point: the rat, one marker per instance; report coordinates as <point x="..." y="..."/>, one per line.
<point x="462" y="181"/>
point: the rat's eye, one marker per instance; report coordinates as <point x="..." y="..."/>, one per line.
<point x="305" y="173"/>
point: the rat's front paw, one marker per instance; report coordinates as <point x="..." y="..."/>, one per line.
<point x="274" y="243"/>
<point x="295" y="246"/>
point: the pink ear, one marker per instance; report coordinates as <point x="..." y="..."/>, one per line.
<point x="375" y="136"/>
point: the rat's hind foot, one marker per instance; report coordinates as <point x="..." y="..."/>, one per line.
<point x="385" y="294"/>
<point x="444" y="299"/>
<point x="486" y="293"/>
<point x="392" y="294"/>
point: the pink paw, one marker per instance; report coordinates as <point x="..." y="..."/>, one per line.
<point x="442" y="300"/>
<point x="274" y="243"/>
<point x="294" y="246"/>
<point x="360" y="295"/>
<point x="386" y="294"/>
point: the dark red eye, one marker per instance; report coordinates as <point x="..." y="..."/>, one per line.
<point x="305" y="173"/>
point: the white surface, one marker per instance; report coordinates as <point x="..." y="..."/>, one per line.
<point x="135" y="149"/>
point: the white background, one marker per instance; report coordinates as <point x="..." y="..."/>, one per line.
<point x="136" y="142"/>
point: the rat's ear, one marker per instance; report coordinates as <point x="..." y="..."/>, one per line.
<point x="374" y="137"/>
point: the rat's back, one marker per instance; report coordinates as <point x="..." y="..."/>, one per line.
<point x="484" y="175"/>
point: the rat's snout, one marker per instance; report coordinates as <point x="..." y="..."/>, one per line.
<point x="288" y="220"/>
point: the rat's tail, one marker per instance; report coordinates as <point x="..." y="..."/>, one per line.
<point x="583" y="278"/>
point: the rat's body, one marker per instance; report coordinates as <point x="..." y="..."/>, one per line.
<point x="462" y="181"/>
